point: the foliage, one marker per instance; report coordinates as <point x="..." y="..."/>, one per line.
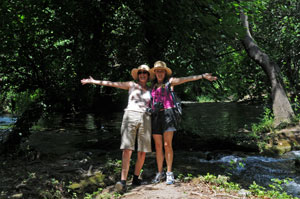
<point x="219" y="182"/>
<point x="49" y="46"/>
<point x="266" y="124"/>
<point x="100" y="195"/>
<point x="275" y="190"/>
<point x="18" y="103"/>
<point x="87" y="187"/>
<point x="279" y="37"/>
<point x="233" y="165"/>
<point x="262" y="130"/>
<point x="115" y="166"/>
<point x="202" y="99"/>
<point x="183" y="178"/>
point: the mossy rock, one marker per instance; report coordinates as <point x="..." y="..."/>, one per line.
<point x="281" y="147"/>
<point x="96" y="180"/>
<point x="283" y="141"/>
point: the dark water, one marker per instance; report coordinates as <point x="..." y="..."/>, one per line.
<point x="219" y="119"/>
<point x="62" y="134"/>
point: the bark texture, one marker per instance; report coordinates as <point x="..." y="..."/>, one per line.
<point x="281" y="106"/>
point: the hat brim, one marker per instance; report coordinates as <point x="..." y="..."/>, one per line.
<point x="134" y="74"/>
<point x="168" y="70"/>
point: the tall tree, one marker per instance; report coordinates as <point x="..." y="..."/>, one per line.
<point x="282" y="109"/>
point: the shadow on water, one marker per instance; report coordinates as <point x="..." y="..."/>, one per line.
<point x="202" y="145"/>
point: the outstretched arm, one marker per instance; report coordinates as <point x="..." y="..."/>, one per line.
<point x="180" y="80"/>
<point x="121" y="85"/>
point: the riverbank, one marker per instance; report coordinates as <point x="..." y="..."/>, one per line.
<point x="93" y="173"/>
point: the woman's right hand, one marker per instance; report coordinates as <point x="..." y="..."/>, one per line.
<point x="87" y="81"/>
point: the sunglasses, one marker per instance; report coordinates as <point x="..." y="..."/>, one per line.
<point x="143" y="72"/>
<point x="159" y="71"/>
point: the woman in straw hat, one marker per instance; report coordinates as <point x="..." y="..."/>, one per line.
<point x="136" y="121"/>
<point x="163" y="119"/>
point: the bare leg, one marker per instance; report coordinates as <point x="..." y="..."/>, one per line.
<point x="159" y="151"/>
<point x="139" y="162"/>
<point x="168" y="137"/>
<point x="125" y="163"/>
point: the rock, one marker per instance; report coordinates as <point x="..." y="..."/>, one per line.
<point x="244" y="193"/>
<point x="96" y="180"/>
<point x="17" y="195"/>
<point x="283" y="141"/>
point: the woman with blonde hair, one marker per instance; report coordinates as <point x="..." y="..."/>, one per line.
<point x="136" y="122"/>
<point x="163" y="118"/>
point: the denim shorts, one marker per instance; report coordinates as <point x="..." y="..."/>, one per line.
<point x="163" y="121"/>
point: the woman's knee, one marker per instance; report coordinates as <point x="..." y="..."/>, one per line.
<point x="158" y="146"/>
<point x="168" y="145"/>
<point x="127" y="152"/>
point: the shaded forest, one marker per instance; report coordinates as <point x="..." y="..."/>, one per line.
<point x="48" y="46"/>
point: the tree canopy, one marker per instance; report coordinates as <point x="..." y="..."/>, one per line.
<point x="48" y="46"/>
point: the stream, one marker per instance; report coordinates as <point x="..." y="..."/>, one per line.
<point x="87" y="131"/>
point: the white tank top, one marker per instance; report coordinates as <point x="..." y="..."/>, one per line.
<point x="138" y="99"/>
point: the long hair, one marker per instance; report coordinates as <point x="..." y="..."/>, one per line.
<point x="154" y="81"/>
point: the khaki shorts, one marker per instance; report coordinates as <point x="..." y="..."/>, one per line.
<point x="136" y="124"/>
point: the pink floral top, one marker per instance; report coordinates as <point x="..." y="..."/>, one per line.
<point x="162" y="95"/>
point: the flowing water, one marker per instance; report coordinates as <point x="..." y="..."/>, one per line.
<point x="62" y="134"/>
<point x="245" y="169"/>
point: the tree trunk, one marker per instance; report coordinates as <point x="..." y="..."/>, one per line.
<point x="282" y="109"/>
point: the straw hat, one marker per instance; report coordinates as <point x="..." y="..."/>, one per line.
<point x="161" y="65"/>
<point x="134" y="72"/>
